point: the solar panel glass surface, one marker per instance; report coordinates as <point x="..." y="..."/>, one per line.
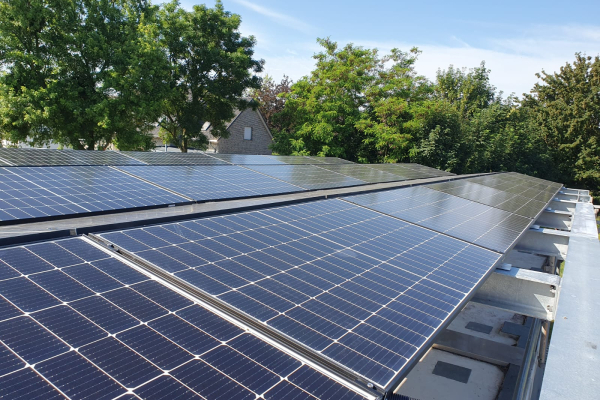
<point x="307" y="176"/>
<point x="49" y="157"/>
<point x="362" y="172"/>
<point x="246" y="159"/>
<point x="94" y="327"/>
<point x="403" y="172"/>
<point x="464" y="219"/>
<point x="362" y="289"/>
<point x="34" y="192"/>
<point x="212" y="182"/>
<point x="174" y="158"/>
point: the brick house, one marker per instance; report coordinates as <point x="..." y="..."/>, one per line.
<point x="248" y="134"/>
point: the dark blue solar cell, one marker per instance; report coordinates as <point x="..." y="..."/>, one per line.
<point x="312" y="269"/>
<point x="297" y="284"/>
<point x="82" y="249"/>
<point x="331" y="314"/>
<point x="396" y="330"/>
<point x="283" y="290"/>
<point x="55" y="254"/>
<point x="255" y="265"/>
<point x="356" y="299"/>
<point x="265" y="354"/>
<point x="202" y="252"/>
<point x="105" y="314"/>
<point x="166" y="235"/>
<point x="146" y="238"/>
<point x="24" y="261"/>
<point x="120" y="271"/>
<point x="286" y="390"/>
<point x="238" y="269"/>
<point x="283" y="256"/>
<point x="185" y="335"/>
<point x="344" y="306"/>
<point x="249" y="306"/>
<point x="241" y="369"/>
<point x="165" y="387"/>
<point x="78" y="378"/>
<point x="185" y="257"/>
<point x="61" y="285"/>
<point x="202" y="282"/>
<point x="155" y="347"/>
<point x="165" y="262"/>
<point x="321" y="386"/>
<point x="359" y="363"/>
<point x="69" y="325"/>
<point x="135" y="304"/>
<point x="91" y="277"/>
<point x="249" y="239"/>
<point x="9" y="362"/>
<point x="373" y="351"/>
<point x="30" y="340"/>
<point x="366" y="292"/>
<point x="120" y="362"/>
<point x="223" y="276"/>
<point x="125" y="242"/>
<point x="26" y="295"/>
<point x="300" y="332"/>
<point x="234" y="244"/>
<point x="27" y="385"/>
<point x="210" y="383"/>
<point x="210" y="323"/>
<point x="7" y="272"/>
<point x="225" y="251"/>
<point x="406" y="322"/>
<point x="7" y="310"/>
<point x="316" y="323"/>
<point x="315" y="281"/>
<point x="389" y="342"/>
<point x="265" y="297"/>
<point x="162" y="295"/>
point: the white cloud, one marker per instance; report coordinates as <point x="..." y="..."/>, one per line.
<point x="278" y="17"/>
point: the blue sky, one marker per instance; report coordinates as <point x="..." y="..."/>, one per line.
<point x="515" y="38"/>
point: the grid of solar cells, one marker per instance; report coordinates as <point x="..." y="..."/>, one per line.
<point x="300" y="160"/>
<point x="363" y="289"/>
<point x="362" y="172"/>
<point x="307" y="176"/>
<point x="247" y="159"/>
<point x="77" y="323"/>
<point x="48" y="157"/>
<point x="515" y="203"/>
<point x="425" y="169"/>
<point x="173" y="158"/>
<point x="212" y="182"/>
<point x="403" y="172"/>
<point x="464" y="219"/>
<point x="527" y="186"/>
<point x="328" y="160"/>
<point x="34" y="192"/>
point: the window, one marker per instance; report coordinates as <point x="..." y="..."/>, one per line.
<point x="247" y="133"/>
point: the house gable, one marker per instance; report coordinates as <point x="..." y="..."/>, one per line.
<point x="260" y="140"/>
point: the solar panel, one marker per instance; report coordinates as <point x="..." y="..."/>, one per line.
<point x="94" y="327"/>
<point x="212" y="182"/>
<point x="363" y="172"/>
<point x="361" y="289"/>
<point x="518" y="184"/>
<point x="474" y="222"/>
<point x="247" y="159"/>
<point x="34" y="192"/>
<point x="404" y="172"/>
<point x="515" y="203"/>
<point x="49" y="157"/>
<point x="309" y="160"/>
<point x="307" y="176"/>
<point x="328" y="160"/>
<point x="425" y="169"/>
<point x="173" y="158"/>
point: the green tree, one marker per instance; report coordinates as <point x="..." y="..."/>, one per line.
<point x="210" y="67"/>
<point x="566" y="108"/>
<point x="353" y="105"/>
<point x="82" y="73"/>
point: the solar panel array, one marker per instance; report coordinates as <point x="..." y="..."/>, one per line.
<point x="212" y="182"/>
<point x="34" y="192"/>
<point x="307" y="176"/>
<point x="464" y="219"/>
<point x="168" y="158"/>
<point x="361" y="289"/>
<point x="47" y="157"/>
<point x="78" y="323"/>
<point x="410" y="171"/>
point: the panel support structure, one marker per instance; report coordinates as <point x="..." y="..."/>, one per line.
<point x="530" y="293"/>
